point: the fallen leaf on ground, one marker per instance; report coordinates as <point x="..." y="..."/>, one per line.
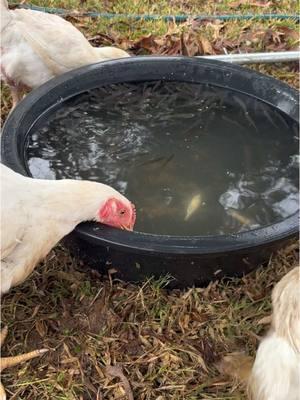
<point x="265" y="320"/>
<point x="250" y="3"/>
<point x="116" y="372"/>
<point x="236" y="365"/>
<point x="206" y="45"/>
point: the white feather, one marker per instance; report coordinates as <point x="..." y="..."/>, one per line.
<point x="36" y="214"/>
<point x="276" y="370"/>
<point x="37" y="46"/>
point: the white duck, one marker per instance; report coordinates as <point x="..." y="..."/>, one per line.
<point x="36" y="214"/>
<point x="36" y="46"/>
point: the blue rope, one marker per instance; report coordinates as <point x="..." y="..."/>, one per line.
<point x="154" y="17"/>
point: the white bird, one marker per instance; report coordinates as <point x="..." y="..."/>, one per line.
<point x="36" y="46"/>
<point x="276" y="371"/>
<point x="36" y="214"/>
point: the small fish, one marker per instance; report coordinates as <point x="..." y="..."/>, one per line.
<point x="167" y="161"/>
<point x="152" y="161"/>
<point x="193" y="205"/>
<point x="239" y="217"/>
<point x="162" y="160"/>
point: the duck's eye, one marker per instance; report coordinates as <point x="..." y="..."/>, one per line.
<point x="122" y="212"/>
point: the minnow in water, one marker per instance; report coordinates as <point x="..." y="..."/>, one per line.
<point x="239" y="217"/>
<point x="194" y="204"/>
<point x="164" y="161"/>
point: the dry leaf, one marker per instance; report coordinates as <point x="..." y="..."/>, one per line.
<point x="184" y="322"/>
<point x="41" y="328"/>
<point x="189" y="45"/>
<point x="101" y="39"/>
<point x="116" y="372"/>
<point x="206" y="46"/>
<point x="172" y="46"/>
<point x="250" y="3"/>
<point x="289" y="33"/>
<point x="126" y="44"/>
<point x="148" y="43"/>
<point x="265" y="320"/>
<point x="237" y="366"/>
<point x="260" y="4"/>
<point x="224" y="44"/>
<point x="216" y="27"/>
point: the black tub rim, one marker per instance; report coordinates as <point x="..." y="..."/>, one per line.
<point x="279" y="95"/>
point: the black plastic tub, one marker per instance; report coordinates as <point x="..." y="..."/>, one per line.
<point x="136" y="256"/>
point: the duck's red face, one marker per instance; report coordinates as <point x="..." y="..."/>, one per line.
<point x="118" y="214"/>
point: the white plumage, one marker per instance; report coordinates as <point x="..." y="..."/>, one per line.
<point x="37" y="46"/>
<point x="36" y="214"/>
<point x="276" y="371"/>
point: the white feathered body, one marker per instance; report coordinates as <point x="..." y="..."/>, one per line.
<point x="37" y="46"/>
<point x="276" y="371"/>
<point x="36" y="214"/>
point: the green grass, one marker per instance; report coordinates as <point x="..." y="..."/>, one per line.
<point x="167" y="342"/>
<point x="164" y="7"/>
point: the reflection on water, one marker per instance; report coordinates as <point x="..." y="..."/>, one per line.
<point x="228" y="162"/>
